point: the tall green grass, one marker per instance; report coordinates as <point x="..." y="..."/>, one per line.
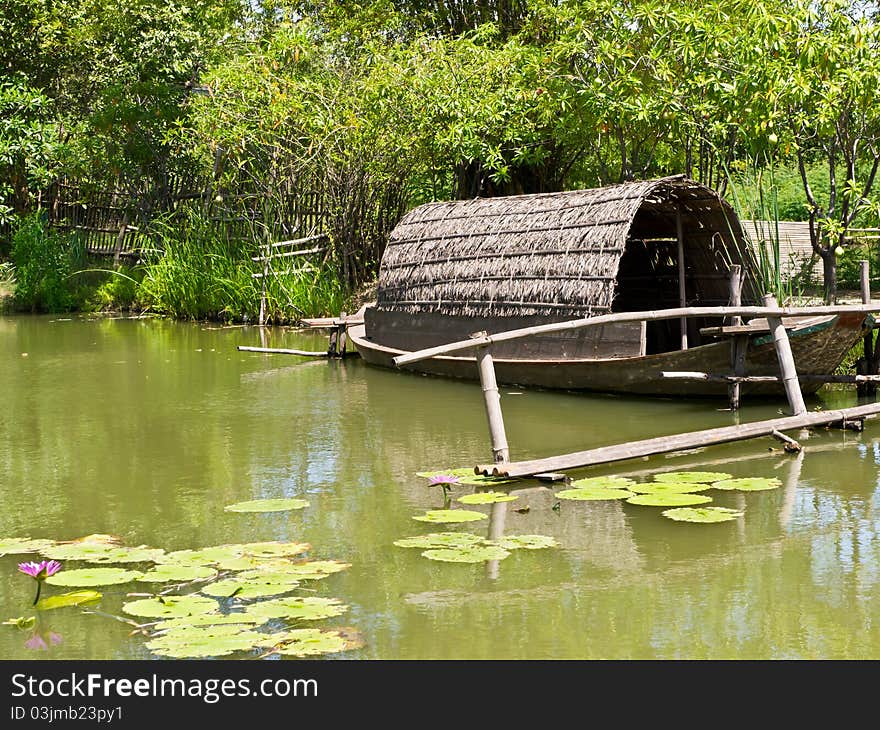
<point x="195" y="272"/>
<point x="755" y="196"/>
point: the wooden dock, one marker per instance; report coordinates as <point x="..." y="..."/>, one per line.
<point x="773" y="316"/>
<point x="676" y="442"/>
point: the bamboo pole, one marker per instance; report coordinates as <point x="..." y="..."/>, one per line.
<point x="712" y="378"/>
<point x="786" y="360"/>
<point x="282" y="351"/>
<point x="647" y="315"/>
<point x="682" y="283"/>
<point x="492" y="399"/>
<point x="675" y="442"/>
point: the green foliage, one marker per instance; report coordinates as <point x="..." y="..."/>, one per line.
<point x="42" y="266"/>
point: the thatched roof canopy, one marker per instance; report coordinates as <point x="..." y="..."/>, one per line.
<point x="556" y="254"/>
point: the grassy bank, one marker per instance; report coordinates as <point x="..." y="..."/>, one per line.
<point x="190" y="272"/>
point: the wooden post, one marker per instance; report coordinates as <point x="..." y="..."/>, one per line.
<point x="739" y="343"/>
<point x="492" y="399"/>
<point x="341" y="337"/>
<point x="786" y="361"/>
<point x="643" y="338"/>
<point x="682" y="288"/>
<point x="863" y="366"/>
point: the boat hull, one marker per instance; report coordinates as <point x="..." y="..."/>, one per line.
<point x="818" y="350"/>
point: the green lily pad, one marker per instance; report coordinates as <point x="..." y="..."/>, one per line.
<point x="481" y="481"/>
<point x="268" y="505"/>
<point x="170" y="606"/>
<point x="486" y="498"/>
<point x="21" y="622"/>
<point x="237" y="588"/>
<point x="93" y="577"/>
<point x="205" y="641"/>
<point x="305" y="570"/>
<point x="602" y="483"/>
<point x="748" y="484"/>
<point x="274" y="549"/>
<point x="702" y="514"/>
<point x="691" y="477"/>
<point x="312" y="642"/>
<point x="470" y="554"/>
<point x="167" y="573"/>
<point x="669" y="500"/>
<point x="669" y="488"/>
<point x="461" y="472"/>
<point x="74" y="598"/>
<point x="594" y="493"/>
<point x="242" y="562"/>
<point x="450" y="516"/>
<point x="207" y="619"/>
<point x="310" y="608"/>
<point x="440" y="540"/>
<point x="21" y="545"/>
<point x="526" y="542"/>
<point x="279" y="577"/>
<point x="98" y="552"/>
<point x="203" y="556"/>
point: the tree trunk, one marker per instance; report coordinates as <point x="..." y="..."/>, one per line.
<point x="829" y="273"/>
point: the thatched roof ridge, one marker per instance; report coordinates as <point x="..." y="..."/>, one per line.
<point x="555" y="254"/>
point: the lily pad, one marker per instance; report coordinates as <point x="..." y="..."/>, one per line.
<point x="461" y="472"/>
<point x="177" y="573"/>
<point x="669" y="488"/>
<point x="305" y="570"/>
<point x="203" y="556"/>
<point x="669" y="500"/>
<point x="21" y="545"/>
<point x="274" y="549"/>
<point x="207" y="619"/>
<point x="486" y="498"/>
<point x="313" y="642"/>
<point x="691" y="477"/>
<point x="470" y="554"/>
<point x="526" y="542"/>
<point x="268" y="505"/>
<point x="205" y="641"/>
<point x="748" y="484"/>
<point x="593" y="493"/>
<point x="74" y="598"/>
<point x="237" y="588"/>
<point x="702" y="514"/>
<point x="440" y="540"/>
<point x="93" y="577"/>
<point x="170" y="606"/>
<point x="450" y="516"/>
<point x="482" y="481"/>
<point x="99" y="552"/>
<point x="310" y="608"/>
<point x="603" y="483"/>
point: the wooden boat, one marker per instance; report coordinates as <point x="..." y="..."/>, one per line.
<point x="493" y="265"/>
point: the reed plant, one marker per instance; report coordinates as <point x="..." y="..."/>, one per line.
<point x="755" y="196"/>
<point x="193" y="271"/>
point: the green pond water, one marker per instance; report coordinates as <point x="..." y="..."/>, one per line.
<point x="145" y="429"/>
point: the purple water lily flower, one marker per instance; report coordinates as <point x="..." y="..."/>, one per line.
<point x="39" y="572"/>
<point x="36" y="643"/>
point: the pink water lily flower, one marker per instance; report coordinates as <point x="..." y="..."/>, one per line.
<point x="41" y="570"/>
<point x="444" y="479"/>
